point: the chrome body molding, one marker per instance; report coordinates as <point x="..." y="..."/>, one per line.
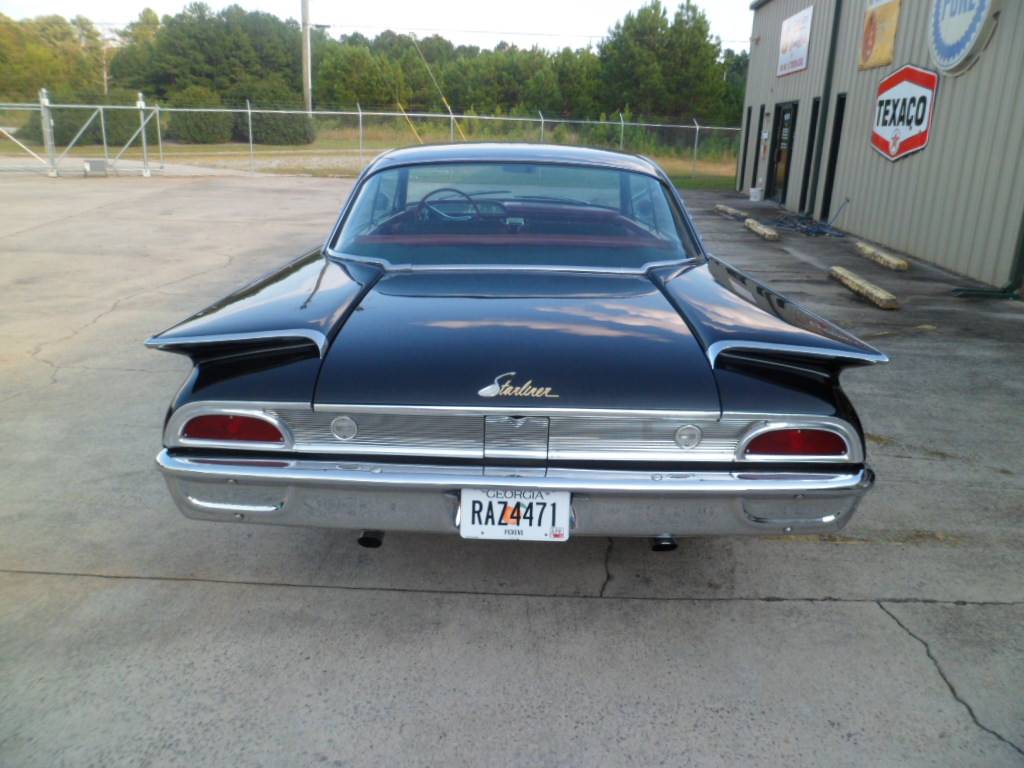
<point x="501" y="433"/>
<point x="413" y="497"/>
<point x="739" y="345"/>
<point x="189" y="342"/>
<point x="342" y="258"/>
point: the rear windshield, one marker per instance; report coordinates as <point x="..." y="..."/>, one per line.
<point x="527" y="214"/>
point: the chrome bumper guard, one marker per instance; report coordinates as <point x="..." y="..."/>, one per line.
<point x="423" y="498"/>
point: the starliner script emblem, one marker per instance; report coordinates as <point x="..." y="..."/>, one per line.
<point x="508" y="389"/>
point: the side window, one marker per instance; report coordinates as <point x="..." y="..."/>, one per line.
<point x="385" y="197"/>
<point x="651" y="208"/>
<point x="641" y="202"/>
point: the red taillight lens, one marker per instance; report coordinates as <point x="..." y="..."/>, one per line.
<point x="226" y="427"/>
<point x="797" y="442"/>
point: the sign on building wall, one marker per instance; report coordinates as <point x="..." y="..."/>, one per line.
<point x="959" y="31"/>
<point x="880" y="21"/>
<point x="795" y="42"/>
<point x="903" y="111"/>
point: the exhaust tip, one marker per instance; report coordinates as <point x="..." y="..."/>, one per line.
<point x="370" y="539"/>
<point x="663" y="543"/>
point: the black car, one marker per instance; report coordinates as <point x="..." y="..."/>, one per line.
<point x="521" y="342"/>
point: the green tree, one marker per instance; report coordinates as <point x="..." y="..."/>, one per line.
<point x="48" y="52"/>
<point x="133" y="64"/>
<point x="692" y="71"/>
<point x="736" y="66"/>
<point x="348" y="75"/>
<point x="579" y="78"/>
<point x="632" y="59"/>
<point x="660" y="69"/>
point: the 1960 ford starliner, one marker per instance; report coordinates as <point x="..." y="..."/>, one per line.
<point x="515" y="342"/>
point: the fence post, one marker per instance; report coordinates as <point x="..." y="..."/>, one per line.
<point x="360" y="136"/>
<point x="159" y="135"/>
<point x="252" y="148"/>
<point x="541" y="126"/>
<point x="622" y="132"/>
<point x="141" y="104"/>
<point x="696" y="138"/>
<point x="47" y="123"/>
<point x="103" y="133"/>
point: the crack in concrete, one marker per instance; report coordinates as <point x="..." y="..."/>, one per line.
<point x="949" y="684"/>
<point x="36" y="352"/>
<point x="483" y="593"/>
<point x="121" y="201"/>
<point x="607" y="567"/>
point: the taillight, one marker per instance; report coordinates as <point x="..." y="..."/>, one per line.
<point x="797" y="442"/>
<point x="225" y="427"/>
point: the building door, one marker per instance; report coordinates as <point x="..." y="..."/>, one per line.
<point x="781" y="151"/>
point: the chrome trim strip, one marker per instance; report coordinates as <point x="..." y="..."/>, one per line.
<point x="409" y="267"/>
<point x="459" y="432"/>
<point x="421" y="477"/>
<point x="738" y="344"/>
<point x="318" y="338"/>
<point x="219" y="506"/>
<point x="488" y="410"/>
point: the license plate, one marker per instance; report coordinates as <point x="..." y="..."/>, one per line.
<point x="515" y="514"/>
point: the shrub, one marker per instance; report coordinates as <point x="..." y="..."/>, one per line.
<point x="199" y="127"/>
<point x="270" y="127"/>
<point x="275" y="128"/>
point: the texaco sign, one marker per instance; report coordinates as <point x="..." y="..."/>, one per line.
<point x="903" y="111"/>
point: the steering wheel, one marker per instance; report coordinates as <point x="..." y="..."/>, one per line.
<point x="423" y="205"/>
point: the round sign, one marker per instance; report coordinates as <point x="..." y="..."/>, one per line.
<point x="960" y="30"/>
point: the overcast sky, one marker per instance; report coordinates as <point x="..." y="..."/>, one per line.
<point x="525" y="23"/>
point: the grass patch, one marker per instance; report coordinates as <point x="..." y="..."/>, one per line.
<point x="686" y="181"/>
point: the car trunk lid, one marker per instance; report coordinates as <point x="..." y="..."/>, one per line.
<point x="507" y="339"/>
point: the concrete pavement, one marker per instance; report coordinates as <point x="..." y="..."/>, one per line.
<point x="132" y="636"/>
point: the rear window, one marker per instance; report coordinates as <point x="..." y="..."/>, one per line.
<point x="513" y="214"/>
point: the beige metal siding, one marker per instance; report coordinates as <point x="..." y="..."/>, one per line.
<point x="765" y="87"/>
<point x="957" y="203"/>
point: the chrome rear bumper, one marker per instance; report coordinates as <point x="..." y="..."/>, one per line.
<point x="423" y="498"/>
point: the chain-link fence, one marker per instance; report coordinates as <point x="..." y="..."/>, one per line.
<point x="142" y="139"/>
<point x="19" y="152"/>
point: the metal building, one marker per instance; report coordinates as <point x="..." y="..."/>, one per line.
<point x="901" y="120"/>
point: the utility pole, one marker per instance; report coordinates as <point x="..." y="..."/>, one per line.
<point x="106" y="71"/>
<point x="307" y="73"/>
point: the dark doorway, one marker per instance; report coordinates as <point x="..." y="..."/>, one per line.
<point x="833" y="156"/>
<point x="783" y="129"/>
<point x="746" y="146"/>
<point x="757" y="146"/>
<point x="809" y="157"/>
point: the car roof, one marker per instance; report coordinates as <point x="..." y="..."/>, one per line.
<point x="515" y="153"/>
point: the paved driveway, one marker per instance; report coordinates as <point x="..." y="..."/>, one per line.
<point x="132" y="636"/>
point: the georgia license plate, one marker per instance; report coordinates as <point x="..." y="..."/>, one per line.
<point x="515" y="514"/>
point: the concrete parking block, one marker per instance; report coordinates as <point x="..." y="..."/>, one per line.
<point x="881" y="256"/>
<point x="878" y="296"/>
<point x="759" y="229"/>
